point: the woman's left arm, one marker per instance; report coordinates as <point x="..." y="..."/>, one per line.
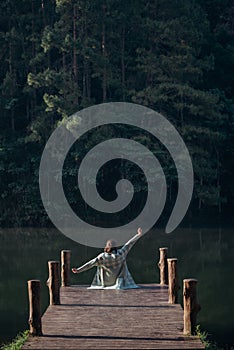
<point x="126" y="248"/>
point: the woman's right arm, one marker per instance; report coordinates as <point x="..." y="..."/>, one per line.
<point x="86" y="266"/>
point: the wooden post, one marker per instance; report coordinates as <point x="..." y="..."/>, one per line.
<point x="34" y="295"/>
<point x="162" y="264"/>
<point x="172" y="281"/>
<point x="65" y="267"/>
<point x="191" y="306"/>
<point x="53" y="282"/>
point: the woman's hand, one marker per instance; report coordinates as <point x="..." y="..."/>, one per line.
<point x="74" y="270"/>
<point x="139" y="231"/>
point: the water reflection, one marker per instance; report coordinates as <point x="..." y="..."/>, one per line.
<point x="204" y="254"/>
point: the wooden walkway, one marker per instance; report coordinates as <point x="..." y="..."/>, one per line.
<point x="113" y="319"/>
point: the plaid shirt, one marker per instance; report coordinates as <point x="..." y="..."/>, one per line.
<point x="112" y="271"/>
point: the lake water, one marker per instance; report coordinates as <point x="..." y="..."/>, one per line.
<point x="205" y="254"/>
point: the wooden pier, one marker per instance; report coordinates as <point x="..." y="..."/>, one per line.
<point x="114" y="319"/>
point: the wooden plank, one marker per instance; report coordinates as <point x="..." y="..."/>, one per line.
<point x="113" y="319"/>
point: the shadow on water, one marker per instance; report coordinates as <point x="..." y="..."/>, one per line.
<point x="206" y="254"/>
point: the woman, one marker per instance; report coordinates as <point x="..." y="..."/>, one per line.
<point x="112" y="271"/>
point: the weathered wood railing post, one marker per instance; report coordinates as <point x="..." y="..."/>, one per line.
<point x="53" y="282"/>
<point x="65" y="267"/>
<point x="34" y="295"/>
<point x="191" y="306"/>
<point x="173" y="285"/>
<point x="162" y="264"/>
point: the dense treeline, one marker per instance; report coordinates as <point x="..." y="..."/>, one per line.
<point x="60" y="56"/>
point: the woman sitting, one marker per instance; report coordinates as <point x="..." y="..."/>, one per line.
<point x="112" y="271"/>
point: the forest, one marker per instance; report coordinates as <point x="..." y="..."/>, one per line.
<point x="58" y="57"/>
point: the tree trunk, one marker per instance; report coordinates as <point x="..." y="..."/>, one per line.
<point x="200" y="200"/>
<point x="75" y="68"/>
<point x="64" y="61"/>
<point x="88" y="81"/>
<point x="182" y="109"/>
<point x="123" y="62"/>
<point x="12" y="87"/>
<point x="104" y="78"/>
<point x="43" y="12"/>
<point x="33" y="54"/>
<point x="33" y="30"/>
<point x="218" y="183"/>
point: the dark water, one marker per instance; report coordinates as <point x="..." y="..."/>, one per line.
<point x="205" y="254"/>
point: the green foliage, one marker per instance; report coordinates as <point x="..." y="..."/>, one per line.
<point x="18" y="342"/>
<point x="209" y="345"/>
<point x="61" y="56"/>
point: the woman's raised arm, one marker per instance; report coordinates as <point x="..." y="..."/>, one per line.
<point x="126" y="248"/>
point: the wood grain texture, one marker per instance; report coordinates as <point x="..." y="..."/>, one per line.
<point x="53" y="282"/>
<point x="173" y="284"/>
<point x="114" y="319"/>
<point x="65" y="267"/>
<point x="34" y="296"/>
<point x="163" y="267"/>
<point x="191" y="306"/>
